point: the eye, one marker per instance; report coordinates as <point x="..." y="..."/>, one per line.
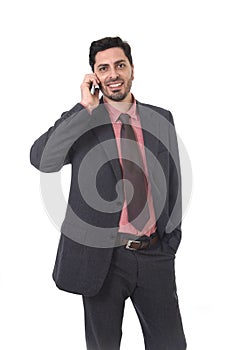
<point x="121" y="65"/>
<point x="103" y="69"/>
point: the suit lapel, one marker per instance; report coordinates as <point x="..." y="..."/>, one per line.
<point x="103" y="130"/>
<point x="150" y="129"/>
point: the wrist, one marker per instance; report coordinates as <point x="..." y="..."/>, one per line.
<point x="83" y="104"/>
<point x="87" y="106"/>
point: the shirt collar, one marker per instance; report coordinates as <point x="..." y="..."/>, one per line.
<point x="114" y="113"/>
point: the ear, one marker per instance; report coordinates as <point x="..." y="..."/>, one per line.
<point x="132" y="74"/>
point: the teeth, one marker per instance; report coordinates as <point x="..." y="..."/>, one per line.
<point x="115" y="85"/>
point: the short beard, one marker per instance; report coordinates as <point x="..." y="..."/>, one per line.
<point x="117" y="96"/>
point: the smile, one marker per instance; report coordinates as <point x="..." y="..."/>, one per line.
<point x="115" y="85"/>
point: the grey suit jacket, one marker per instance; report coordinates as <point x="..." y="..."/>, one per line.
<point x="90" y="227"/>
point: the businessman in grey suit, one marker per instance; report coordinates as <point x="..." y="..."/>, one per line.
<point x="122" y="226"/>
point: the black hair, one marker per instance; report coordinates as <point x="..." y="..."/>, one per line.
<point x="107" y="43"/>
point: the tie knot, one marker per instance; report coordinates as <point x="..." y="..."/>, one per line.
<point x="124" y="118"/>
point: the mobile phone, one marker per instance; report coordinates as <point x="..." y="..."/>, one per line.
<point x="93" y="88"/>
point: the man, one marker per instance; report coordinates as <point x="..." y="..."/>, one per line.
<point x="123" y="221"/>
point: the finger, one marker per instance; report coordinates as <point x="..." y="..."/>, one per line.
<point x="89" y="78"/>
<point x="94" y="83"/>
<point x="97" y="79"/>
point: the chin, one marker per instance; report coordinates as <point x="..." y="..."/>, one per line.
<point x="118" y="96"/>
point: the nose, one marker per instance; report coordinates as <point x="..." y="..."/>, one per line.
<point x="113" y="73"/>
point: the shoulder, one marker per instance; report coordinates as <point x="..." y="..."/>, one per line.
<point x="164" y="112"/>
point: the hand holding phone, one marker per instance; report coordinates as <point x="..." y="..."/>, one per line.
<point x="93" y="88"/>
<point x="90" y="91"/>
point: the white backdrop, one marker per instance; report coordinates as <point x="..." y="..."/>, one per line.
<point x="183" y="62"/>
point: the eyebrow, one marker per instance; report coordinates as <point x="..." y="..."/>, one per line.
<point x="106" y="64"/>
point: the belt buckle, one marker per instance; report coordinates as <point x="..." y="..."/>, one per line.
<point x="129" y="243"/>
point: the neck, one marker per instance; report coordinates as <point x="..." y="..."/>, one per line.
<point x="122" y="106"/>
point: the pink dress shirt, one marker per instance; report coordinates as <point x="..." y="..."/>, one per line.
<point x="124" y="225"/>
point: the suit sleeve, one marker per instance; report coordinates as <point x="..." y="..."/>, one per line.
<point x="173" y="228"/>
<point x="53" y="149"/>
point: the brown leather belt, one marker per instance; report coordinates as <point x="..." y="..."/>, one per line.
<point x="136" y="245"/>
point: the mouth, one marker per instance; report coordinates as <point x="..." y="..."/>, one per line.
<point x="115" y="85"/>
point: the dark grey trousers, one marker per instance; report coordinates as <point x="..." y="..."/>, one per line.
<point x="148" y="278"/>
